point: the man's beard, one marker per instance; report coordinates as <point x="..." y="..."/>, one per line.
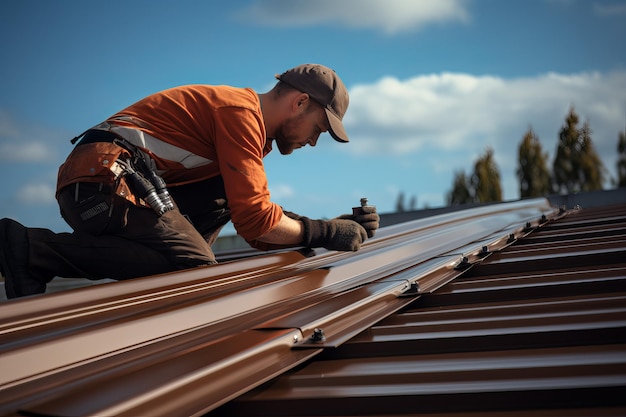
<point x="284" y="145"/>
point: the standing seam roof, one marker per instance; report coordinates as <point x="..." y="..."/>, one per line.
<point x="501" y="310"/>
<point x="538" y="328"/>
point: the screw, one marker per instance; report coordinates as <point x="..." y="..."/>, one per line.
<point x="463" y="264"/>
<point x="359" y="210"/>
<point x="318" y="335"/>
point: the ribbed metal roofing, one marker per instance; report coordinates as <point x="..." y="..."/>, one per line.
<point x="538" y="328"/>
<point x="510" y="309"/>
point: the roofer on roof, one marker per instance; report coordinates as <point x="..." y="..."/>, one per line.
<point x="148" y="190"/>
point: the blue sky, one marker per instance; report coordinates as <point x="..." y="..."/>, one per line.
<point x="432" y="85"/>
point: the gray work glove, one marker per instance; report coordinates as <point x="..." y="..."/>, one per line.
<point x="367" y="217"/>
<point x="335" y="234"/>
<point x="342" y="234"/>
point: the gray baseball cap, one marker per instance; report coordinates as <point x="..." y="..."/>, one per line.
<point x="324" y="86"/>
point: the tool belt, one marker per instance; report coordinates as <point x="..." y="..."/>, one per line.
<point x="128" y="165"/>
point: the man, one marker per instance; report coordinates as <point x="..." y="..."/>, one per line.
<point x="148" y="190"/>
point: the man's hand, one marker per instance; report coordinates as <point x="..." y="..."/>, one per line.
<point x="335" y="234"/>
<point x="367" y="217"/>
<point x="345" y="235"/>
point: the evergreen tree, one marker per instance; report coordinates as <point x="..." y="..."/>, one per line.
<point x="532" y="171"/>
<point x="460" y="193"/>
<point x="591" y="169"/>
<point x="576" y="166"/>
<point x="621" y="159"/>
<point x="485" y="181"/>
<point x="400" y="203"/>
<point x="565" y="165"/>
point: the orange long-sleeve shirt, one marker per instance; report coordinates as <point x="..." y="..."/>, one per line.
<point x="196" y="132"/>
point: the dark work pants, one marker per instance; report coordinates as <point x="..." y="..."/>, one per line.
<point x="115" y="239"/>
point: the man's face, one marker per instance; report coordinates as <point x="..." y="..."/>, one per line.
<point x="302" y="128"/>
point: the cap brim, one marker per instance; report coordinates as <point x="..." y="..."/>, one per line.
<point x="336" y="127"/>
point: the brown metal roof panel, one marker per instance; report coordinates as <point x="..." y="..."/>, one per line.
<point x="230" y="277"/>
<point x="600" y="241"/>
<point x="386" y="374"/>
<point x="531" y="283"/>
<point x="495" y="380"/>
<point x="534" y="285"/>
<point x="345" y="292"/>
<point x="479" y="327"/>
<point x="529" y="308"/>
<point x="121" y="299"/>
<point x="518" y="331"/>
<point x="179" y="380"/>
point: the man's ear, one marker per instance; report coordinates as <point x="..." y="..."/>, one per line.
<point x="300" y="101"/>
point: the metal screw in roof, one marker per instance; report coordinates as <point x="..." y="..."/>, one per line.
<point x="463" y="264"/>
<point x="318" y="335"/>
<point x="528" y="227"/>
<point x="413" y="288"/>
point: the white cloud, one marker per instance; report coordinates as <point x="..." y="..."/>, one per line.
<point x="450" y="111"/>
<point x="282" y="191"/>
<point x="447" y="120"/>
<point x="21" y="142"/>
<point x="609" y="10"/>
<point x="36" y="194"/>
<point x="24" y="152"/>
<point x="390" y="16"/>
